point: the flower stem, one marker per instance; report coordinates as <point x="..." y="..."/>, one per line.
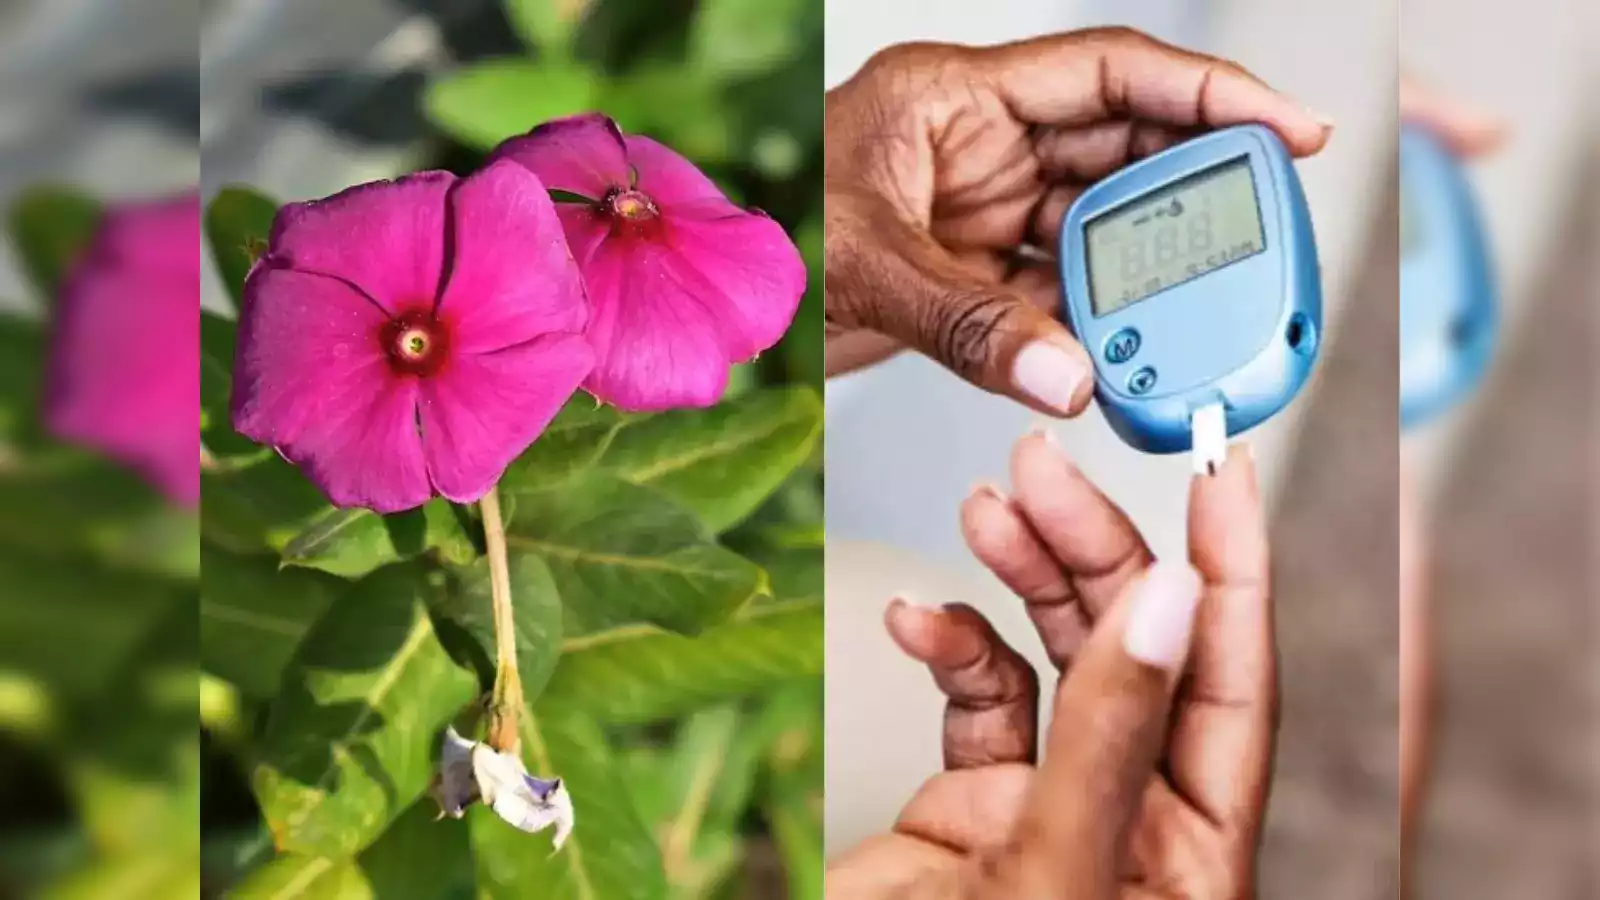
<point x="505" y="705"/>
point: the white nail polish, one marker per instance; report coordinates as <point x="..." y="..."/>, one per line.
<point x="1161" y="618"/>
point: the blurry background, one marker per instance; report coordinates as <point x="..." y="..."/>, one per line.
<point x="906" y="441"/>
<point x="1512" y="478"/>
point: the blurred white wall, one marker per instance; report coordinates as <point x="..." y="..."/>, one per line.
<point x="906" y="440"/>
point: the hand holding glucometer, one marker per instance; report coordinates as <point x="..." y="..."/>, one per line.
<point x="1191" y="278"/>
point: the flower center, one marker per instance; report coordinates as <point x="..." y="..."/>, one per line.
<point x="415" y="342"/>
<point x="634" y="206"/>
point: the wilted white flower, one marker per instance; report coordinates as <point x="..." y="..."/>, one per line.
<point x="470" y="771"/>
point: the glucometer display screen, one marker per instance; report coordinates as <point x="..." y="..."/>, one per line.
<point x="1173" y="234"/>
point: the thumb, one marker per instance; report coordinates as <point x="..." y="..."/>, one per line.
<point x="885" y="275"/>
<point x="1106" y="735"/>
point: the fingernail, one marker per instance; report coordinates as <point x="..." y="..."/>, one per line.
<point x="914" y="614"/>
<point x="989" y="489"/>
<point x="1162" y="615"/>
<point x="1322" y="118"/>
<point x="1045" y="433"/>
<point x="1049" y="374"/>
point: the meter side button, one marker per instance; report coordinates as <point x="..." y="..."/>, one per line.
<point x="1122" y="346"/>
<point x="1142" y="381"/>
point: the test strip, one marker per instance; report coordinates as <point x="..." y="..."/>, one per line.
<point x="1208" y="430"/>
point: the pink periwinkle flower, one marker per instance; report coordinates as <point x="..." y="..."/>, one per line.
<point x="411" y="337"/>
<point x="682" y="282"/>
<point x="125" y="345"/>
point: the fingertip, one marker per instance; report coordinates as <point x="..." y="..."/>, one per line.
<point x="1161" y="617"/>
<point x="914" y="628"/>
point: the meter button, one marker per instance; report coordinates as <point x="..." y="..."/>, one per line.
<point x="1142" y="381"/>
<point x="1122" y="346"/>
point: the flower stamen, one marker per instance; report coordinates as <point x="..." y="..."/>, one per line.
<point x="415" y="342"/>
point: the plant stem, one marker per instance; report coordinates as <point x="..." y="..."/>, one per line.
<point x="505" y="705"/>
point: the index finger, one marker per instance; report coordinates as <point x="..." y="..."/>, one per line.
<point x="1090" y="76"/>
<point x="1224" y="714"/>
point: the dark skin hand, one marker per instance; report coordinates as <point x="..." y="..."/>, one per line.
<point x="1140" y="795"/>
<point x="949" y="169"/>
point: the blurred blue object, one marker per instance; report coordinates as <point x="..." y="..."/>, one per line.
<point x="1448" y="301"/>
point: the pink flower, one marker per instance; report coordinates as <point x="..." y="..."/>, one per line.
<point x="411" y="337"/>
<point x="683" y="282"/>
<point x="126" y="345"/>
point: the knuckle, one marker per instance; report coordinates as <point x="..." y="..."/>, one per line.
<point x="962" y="329"/>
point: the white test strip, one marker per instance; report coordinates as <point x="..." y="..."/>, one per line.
<point x="1208" y="432"/>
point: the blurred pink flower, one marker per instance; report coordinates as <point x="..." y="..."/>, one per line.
<point x="683" y="283"/>
<point x="122" y="376"/>
<point x="410" y="337"/>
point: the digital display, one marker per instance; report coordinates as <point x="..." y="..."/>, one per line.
<point x="1172" y="235"/>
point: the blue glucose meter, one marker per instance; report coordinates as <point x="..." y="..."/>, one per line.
<point x="1447" y="297"/>
<point x="1191" y="278"/>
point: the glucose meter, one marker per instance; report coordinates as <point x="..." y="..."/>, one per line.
<point x="1191" y="278"/>
<point x="1447" y="297"/>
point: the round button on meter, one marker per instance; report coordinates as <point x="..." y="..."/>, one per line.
<point x="1122" y="346"/>
<point x="1205" y="254"/>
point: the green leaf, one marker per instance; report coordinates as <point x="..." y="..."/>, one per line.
<point x="22" y="356"/>
<point x="609" y="855"/>
<point x="253" y="616"/>
<point x="348" y="743"/>
<point x="570" y="446"/>
<point x="73" y="624"/>
<point x="796" y="822"/>
<point x="734" y="38"/>
<point x="416" y="859"/>
<point x="637" y="673"/>
<point x="352" y="542"/>
<point x="679" y="105"/>
<point x="238" y="223"/>
<point x="70" y="502"/>
<point x="621" y="553"/>
<point x="464" y="614"/>
<point x="724" y="461"/>
<point x="698" y="835"/>
<point x="547" y="25"/>
<point x="217" y="337"/>
<point x="257" y="505"/>
<point x="52" y="226"/>
<point x="483" y="104"/>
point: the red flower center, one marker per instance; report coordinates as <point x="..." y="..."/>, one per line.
<point x="630" y="211"/>
<point x="416" y="342"/>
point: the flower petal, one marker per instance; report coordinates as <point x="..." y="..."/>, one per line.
<point x="124" y="350"/>
<point x="482" y="410"/>
<point x="668" y="178"/>
<point x="160" y="234"/>
<point x="581" y="154"/>
<point x="656" y="345"/>
<point x="511" y="276"/>
<point x="744" y="269"/>
<point x="310" y="378"/>
<point x="386" y="238"/>
<point x="454" y="787"/>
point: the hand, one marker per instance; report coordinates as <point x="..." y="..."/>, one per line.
<point x="1152" y="785"/>
<point x="949" y="169"/>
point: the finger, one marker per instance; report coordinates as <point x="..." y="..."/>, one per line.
<point x="1466" y="130"/>
<point x="1225" y="717"/>
<point x="992" y="711"/>
<point x="1002" y="540"/>
<point x="1072" y="158"/>
<point x="1095" y="545"/>
<point x="1416" y="665"/>
<point x="1107" y="731"/>
<point x="967" y="810"/>
<point x="1088" y="153"/>
<point x="1111" y="73"/>
<point x="884" y="275"/>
